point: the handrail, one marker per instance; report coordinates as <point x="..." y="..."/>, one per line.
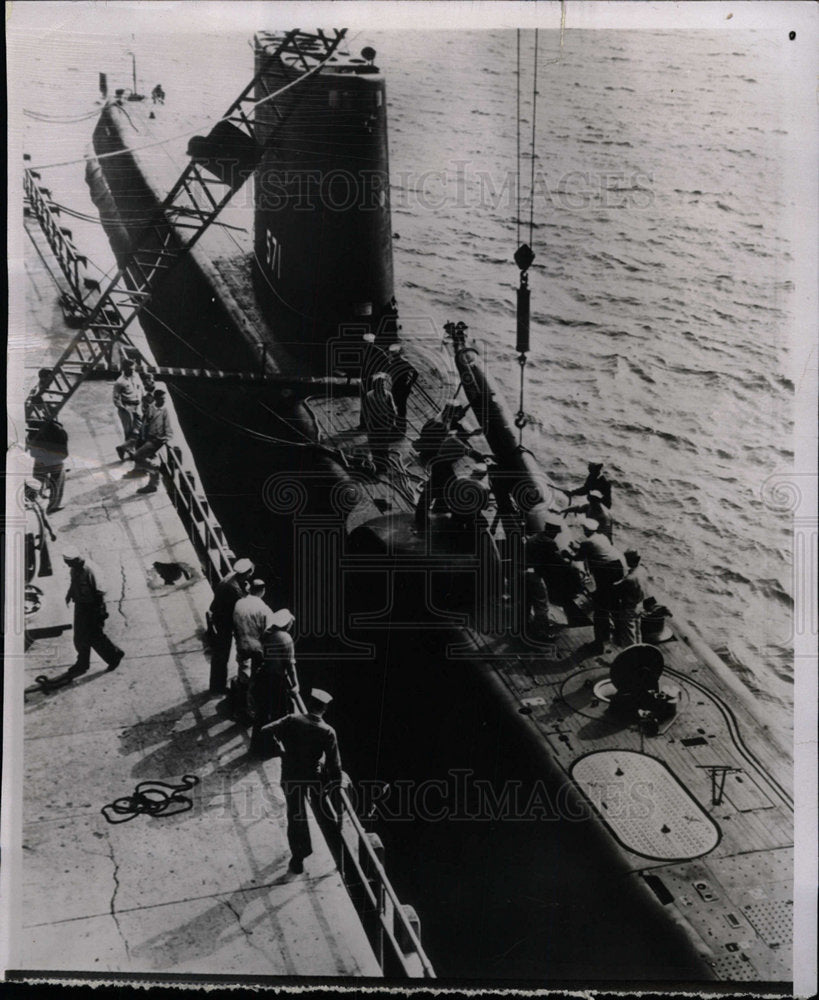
<point x="397" y="942"/>
<point x="383" y="899"/>
<point x="200" y="523"/>
<point x="58" y="239"/>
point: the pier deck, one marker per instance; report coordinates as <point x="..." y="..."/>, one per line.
<point x="205" y="891"/>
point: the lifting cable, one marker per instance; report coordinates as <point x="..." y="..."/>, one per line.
<point x="524" y="255"/>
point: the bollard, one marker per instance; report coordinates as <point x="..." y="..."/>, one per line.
<point x="402" y="937"/>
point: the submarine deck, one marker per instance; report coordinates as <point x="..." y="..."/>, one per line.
<point x="202" y="891"/>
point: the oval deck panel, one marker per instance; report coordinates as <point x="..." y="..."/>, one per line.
<point x="646" y="807"/>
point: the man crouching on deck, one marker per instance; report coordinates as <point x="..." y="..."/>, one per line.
<point x="306" y="739"/>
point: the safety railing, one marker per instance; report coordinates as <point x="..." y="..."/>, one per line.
<point x="59" y="237"/>
<point x="194" y="511"/>
<point x="392" y="927"/>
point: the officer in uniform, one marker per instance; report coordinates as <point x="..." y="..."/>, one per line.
<point x="307" y="741"/>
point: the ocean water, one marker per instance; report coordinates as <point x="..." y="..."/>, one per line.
<point x="661" y="299"/>
<point x="662" y="295"/>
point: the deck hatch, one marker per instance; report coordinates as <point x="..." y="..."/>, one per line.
<point x="772" y="920"/>
<point x="644" y="804"/>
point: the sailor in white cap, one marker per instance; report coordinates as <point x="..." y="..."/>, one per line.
<point x="307" y="741"/>
<point x="226" y="593"/>
<point x="596" y="510"/>
<point x="630" y="593"/>
<point x="157" y="432"/>
<point x="595" y="480"/>
<point x="381" y="418"/>
<point x="404" y="376"/>
<point x="252" y="617"/>
<point x="274" y="680"/>
<point x="373" y="360"/>
<point x="128" y="393"/>
<point x="88" y="596"/>
<point x="607" y="566"/>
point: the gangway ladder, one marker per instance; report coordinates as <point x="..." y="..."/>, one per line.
<point x="219" y="165"/>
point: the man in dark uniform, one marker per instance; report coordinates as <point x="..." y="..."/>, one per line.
<point x="48" y="445"/>
<point x="441" y="474"/>
<point x="306" y="739"/>
<point x="225" y="595"/>
<point x="595" y="480"/>
<point x="89" y="615"/>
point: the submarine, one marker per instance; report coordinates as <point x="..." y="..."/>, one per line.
<point x="542" y="810"/>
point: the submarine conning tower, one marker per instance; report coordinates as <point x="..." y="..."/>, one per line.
<point x="323" y="235"/>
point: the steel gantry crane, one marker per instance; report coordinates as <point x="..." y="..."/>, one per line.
<point x="219" y="165"/>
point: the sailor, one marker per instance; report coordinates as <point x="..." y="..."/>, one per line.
<point x="43" y="382"/>
<point x="307" y="741"/>
<point x="607" y="566"/>
<point x="436" y="429"/>
<point x="381" y="418"/>
<point x="544" y="565"/>
<point x="128" y="393"/>
<point x="158" y="432"/>
<point x="38" y="532"/>
<point x="226" y="594"/>
<point x="441" y="473"/>
<point x="274" y="680"/>
<point x="630" y="592"/>
<point x="373" y="361"/>
<point x="252" y="617"/>
<point x="595" y="480"/>
<point x="653" y="626"/>
<point x="48" y="446"/>
<point x="404" y="376"/>
<point x="158" y="94"/>
<point x="88" y="595"/>
<point x="137" y="438"/>
<point x="596" y="510"/>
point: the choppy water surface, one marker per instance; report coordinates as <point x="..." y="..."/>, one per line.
<point x="661" y="299"/>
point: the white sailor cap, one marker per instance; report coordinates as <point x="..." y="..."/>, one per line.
<point x="282" y="618"/>
<point x="590" y="523"/>
<point x="369" y="338"/>
<point x="243" y="566"/>
<point x="70" y="553"/>
<point x="320" y="696"/>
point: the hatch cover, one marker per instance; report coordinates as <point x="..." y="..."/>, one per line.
<point x="646" y="807"/>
